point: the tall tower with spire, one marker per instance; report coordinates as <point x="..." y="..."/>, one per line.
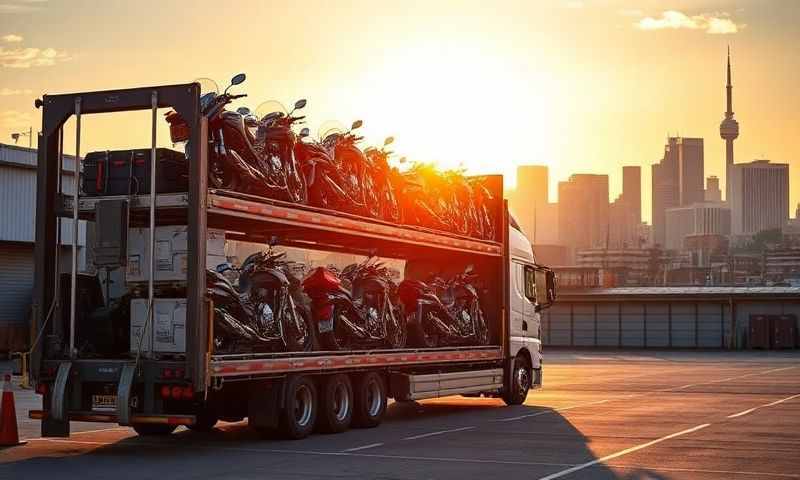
<point x="729" y="131"/>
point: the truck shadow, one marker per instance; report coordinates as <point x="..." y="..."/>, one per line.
<point x="445" y="438"/>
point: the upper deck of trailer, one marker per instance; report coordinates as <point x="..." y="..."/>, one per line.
<point x="251" y="218"/>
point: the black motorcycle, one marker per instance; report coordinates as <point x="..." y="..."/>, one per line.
<point x="382" y="173"/>
<point x="365" y="315"/>
<point x="322" y="176"/>
<point x="444" y="313"/>
<point x="422" y="198"/>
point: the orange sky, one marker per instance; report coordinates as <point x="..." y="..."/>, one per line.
<point x="581" y="86"/>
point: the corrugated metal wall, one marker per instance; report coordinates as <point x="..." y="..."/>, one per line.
<point x="643" y="324"/>
<point x="16" y="286"/>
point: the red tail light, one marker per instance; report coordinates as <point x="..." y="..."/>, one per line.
<point x="177" y="392"/>
<point x="321" y="279"/>
<point x="167" y="373"/>
<point x="41" y="389"/>
<point x="188" y="392"/>
<point x="165" y="391"/>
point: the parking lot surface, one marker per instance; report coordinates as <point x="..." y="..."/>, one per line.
<point x="600" y="415"/>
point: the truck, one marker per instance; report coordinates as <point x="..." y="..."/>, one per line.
<point x="196" y="386"/>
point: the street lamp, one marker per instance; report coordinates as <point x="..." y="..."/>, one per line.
<point x="29" y="134"/>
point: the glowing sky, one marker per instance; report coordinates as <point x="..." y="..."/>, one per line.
<point x="580" y="86"/>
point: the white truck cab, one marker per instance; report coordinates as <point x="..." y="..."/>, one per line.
<point x="532" y="289"/>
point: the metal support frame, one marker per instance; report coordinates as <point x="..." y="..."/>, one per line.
<point x="124" y="393"/>
<point x="58" y="398"/>
<point x="75" y="209"/>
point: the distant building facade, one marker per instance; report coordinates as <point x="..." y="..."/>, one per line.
<point x="537" y="217"/>
<point x="705" y="218"/>
<point x="677" y="180"/>
<point x="583" y="208"/>
<point x="760" y="197"/>
<point x="713" y="192"/>
<point x="625" y="213"/>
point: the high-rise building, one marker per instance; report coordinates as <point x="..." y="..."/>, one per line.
<point x="713" y="192"/>
<point x="760" y="194"/>
<point x="583" y="212"/>
<point x="536" y="216"/>
<point x="697" y="219"/>
<point x="729" y="131"/>
<point x="677" y="180"/>
<point x="625" y="213"/>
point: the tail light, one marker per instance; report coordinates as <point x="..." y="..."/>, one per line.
<point x="321" y="279"/>
<point x="41" y="389"/>
<point x="167" y="373"/>
<point x="176" y="392"/>
<point x="165" y="391"/>
<point x="188" y="392"/>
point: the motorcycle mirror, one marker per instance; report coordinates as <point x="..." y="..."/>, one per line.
<point x="470" y="268"/>
<point x="402" y="160"/>
<point x="356" y="124"/>
<point x="388" y="141"/>
<point x="273" y="240"/>
<point x="305" y="132"/>
<point x="243" y="111"/>
<point x="238" y="79"/>
<point x="300" y="104"/>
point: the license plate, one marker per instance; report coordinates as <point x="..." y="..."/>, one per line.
<point x="104" y="403"/>
<point x="326" y="326"/>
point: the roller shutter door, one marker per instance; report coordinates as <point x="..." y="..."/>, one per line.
<point x="16" y="287"/>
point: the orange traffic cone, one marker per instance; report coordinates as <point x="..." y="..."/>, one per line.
<point x="8" y="417"/>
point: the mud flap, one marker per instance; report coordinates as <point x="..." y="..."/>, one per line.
<point x="58" y="399"/>
<point x="263" y="407"/>
<point x="124" y="394"/>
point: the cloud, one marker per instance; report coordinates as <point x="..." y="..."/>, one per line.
<point x="7" y="92"/>
<point x="714" y="23"/>
<point x="31" y="57"/>
<point x="11" y="38"/>
<point x="14" y="118"/>
<point x="21" y="6"/>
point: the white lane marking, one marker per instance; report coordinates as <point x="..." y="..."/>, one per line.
<point x="777" y="402"/>
<point x="440" y="432"/>
<point x="363" y="447"/>
<point x="636" y="448"/>
<point x="638" y="395"/>
<point x="745" y="412"/>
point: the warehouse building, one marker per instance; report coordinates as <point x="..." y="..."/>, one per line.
<point x="17" y="240"/>
<point x="675" y="317"/>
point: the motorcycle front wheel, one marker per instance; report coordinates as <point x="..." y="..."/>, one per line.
<point x="397" y="330"/>
<point x="298" y="338"/>
<point x="338" y="338"/>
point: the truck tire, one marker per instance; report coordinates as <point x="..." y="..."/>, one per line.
<point x="336" y="404"/>
<point x="153" y="429"/>
<point x="370" y="400"/>
<point x="299" y="408"/>
<point x="520" y="382"/>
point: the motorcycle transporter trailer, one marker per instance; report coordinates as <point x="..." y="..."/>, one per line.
<point x="288" y="391"/>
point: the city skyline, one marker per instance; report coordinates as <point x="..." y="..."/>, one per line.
<point x="537" y="75"/>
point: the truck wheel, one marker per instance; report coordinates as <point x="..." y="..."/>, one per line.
<point x="148" y="429"/>
<point x="336" y="404"/>
<point x="370" y="400"/>
<point x="300" y="407"/>
<point x="520" y="381"/>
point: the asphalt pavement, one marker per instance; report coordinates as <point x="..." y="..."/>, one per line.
<point x="600" y="415"/>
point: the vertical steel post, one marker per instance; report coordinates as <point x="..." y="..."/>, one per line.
<point x="152" y="239"/>
<point x="75" y="207"/>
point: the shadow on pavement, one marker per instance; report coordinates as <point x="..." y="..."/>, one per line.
<point x="542" y="443"/>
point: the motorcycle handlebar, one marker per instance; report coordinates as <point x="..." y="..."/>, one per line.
<point x="234" y="97"/>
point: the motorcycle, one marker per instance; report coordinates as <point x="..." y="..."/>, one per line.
<point x="365" y="315"/>
<point x="353" y="167"/>
<point x="484" y="226"/>
<point x="444" y="313"/>
<point x="234" y="162"/>
<point x="275" y="141"/>
<point x="268" y="282"/>
<point x="382" y="172"/>
<point x="421" y="201"/>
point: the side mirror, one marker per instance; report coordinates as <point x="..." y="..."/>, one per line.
<point x="238" y="79"/>
<point x="273" y="240"/>
<point x="300" y="104"/>
<point x="388" y="141"/>
<point x="356" y="124"/>
<point x="243" y="111"/>
<point x="402" y="160"/>
<point x="305" y="132"/>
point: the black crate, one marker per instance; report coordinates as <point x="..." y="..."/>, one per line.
<point x="127" y="172"/>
